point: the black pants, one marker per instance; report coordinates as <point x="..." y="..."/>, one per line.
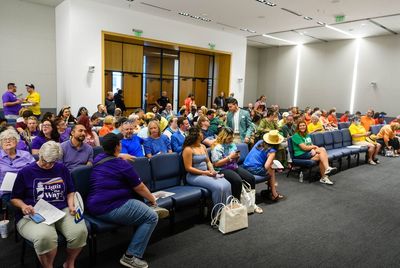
<point x="235" y="178"/>
<point x="392" y="142"/>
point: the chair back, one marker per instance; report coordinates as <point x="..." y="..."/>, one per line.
<point x="97" y="150"/>
<point x="337" y="139"/>
<point x="81" y="176"/>
<point x="244" y="151"/>
<point x="376" y="128"/>
<point x="318" y="139"/>
<point x="346" y="137"/>
<point x="328" y="140"/>
<point x="342" y="125"/>
<point x="165" y="169"/>
<point x="290" y="147"/>
<point x="143" y="169"/>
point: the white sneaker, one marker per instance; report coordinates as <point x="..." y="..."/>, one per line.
<point x="371" y="162"/>
<point x="326" y="180"/>
<point x="329" y="170"/>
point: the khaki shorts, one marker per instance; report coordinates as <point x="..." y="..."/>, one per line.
<point x="362" y="143"/>
<point x="44" y="237"/>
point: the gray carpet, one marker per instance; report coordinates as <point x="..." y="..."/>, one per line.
<point x="354" y="223"/>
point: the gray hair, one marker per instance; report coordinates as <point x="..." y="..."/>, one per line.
<point x="7" y="134"/>
<point x="133" y="117"/>
<point x="50" y="151"/>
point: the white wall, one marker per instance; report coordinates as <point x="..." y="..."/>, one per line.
<point x="326" y="73"/>
<point x="27" y="54"/>
<point x="79" y="25"/>
<point x="251" y="78"/>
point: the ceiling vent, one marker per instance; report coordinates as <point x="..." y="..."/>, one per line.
<point x="291" y="11"/>
<point x="154" y="6"/>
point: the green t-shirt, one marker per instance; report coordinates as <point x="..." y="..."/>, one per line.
<point x="297" y="140"/>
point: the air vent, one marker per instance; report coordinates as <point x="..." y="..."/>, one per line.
<point x="158" y="7"/>
<point x="226" y="25"/>
<point x="291" y="11"/>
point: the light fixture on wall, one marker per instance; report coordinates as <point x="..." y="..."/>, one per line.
<point x="240" y="80"/>
<point x="91" y="69"/>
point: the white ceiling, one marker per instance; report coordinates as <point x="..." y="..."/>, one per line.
<point x="362" y="17"/>
<point x="52" y="3"/>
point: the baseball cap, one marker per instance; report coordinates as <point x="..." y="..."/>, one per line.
<point x="30" y="85"/>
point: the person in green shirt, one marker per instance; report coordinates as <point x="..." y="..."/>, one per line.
<point x="304" y="149"/>
<point x="215" y="123"/>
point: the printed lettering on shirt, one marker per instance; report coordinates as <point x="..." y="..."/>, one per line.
<point x="308" y="141"/>
<point x="50" y="189"/>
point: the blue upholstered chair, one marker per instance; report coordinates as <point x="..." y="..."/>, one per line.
<point x="303" y="164"/>
<point x="376" y="128"/>
<point x="97" y="150"/>
<point x="342" y="125"/>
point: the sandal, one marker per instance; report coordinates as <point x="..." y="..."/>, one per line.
<point x="258" y="210"/>
<point x="277" y="197"/>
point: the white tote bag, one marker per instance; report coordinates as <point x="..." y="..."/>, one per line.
<point x="231" y="217"/>
<point x="248" y="197"/>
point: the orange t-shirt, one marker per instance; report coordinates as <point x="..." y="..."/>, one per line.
<point x="332" y="119"/>
<point x="386" y="133"/>
<point x="367" y="122"/>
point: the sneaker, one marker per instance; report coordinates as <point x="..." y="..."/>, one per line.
<point x="257" y="209"/>
<point x="376" y="160"/>
<point x="329" y="170"/>
<point x="161" y="212"/>
<point x="371" y="162"/>
<point x="133" y="262"/>
<point x="326" y="180"/>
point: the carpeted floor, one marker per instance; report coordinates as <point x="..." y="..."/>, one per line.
<point x="354" y="223"/>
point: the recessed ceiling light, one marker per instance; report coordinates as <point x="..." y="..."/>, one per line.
<point x="321" y="23"/>
<point x="279" y="39"/>
<point x="130" y="0"/>
<point x="243" y="29"/>
<point x="251" y="31"/>
<point x="195" y="17"/>
<point x="307" y="18"/>
<point x="268" y="3"/>
<point x="338" y="30"/>
<point x="184" y="14"/>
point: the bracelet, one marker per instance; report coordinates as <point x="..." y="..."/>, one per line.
<point x="229" y="158"/>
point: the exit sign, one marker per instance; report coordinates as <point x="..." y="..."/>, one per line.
<point x="339" y="18"/>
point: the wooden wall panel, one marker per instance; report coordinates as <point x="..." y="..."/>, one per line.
<point x="200" y="95"/>
<point x="168" y="66"/>
<point x="168" y="85"/>
<point x="185" y="87"/>
<point x="133" y="90"/>
<point x="186" y="64"/>
<point x="202" y="65"/>
<point x="132" y="58"/>
<point x="222" y="74"/>
<point x="113" y="56"/>
<point x="153" y="65"/>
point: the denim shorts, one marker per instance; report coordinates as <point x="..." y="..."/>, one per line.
<point x="306" y="155"/>
<point x="260" y="171"/>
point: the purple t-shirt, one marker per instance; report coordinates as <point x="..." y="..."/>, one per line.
<point x="65" y="135"/>
<point x="74" y="157"/>
<point x="111" y="185"/>
<point x="38" y="142"/>
<point x="10" y="110"/>
<point x="34" y="183"/>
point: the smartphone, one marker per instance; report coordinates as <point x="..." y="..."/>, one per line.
<point x="37" y="218"/>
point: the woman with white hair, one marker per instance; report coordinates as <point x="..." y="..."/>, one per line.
<point x="50" y="181"/>
<point x="11" y="159"/>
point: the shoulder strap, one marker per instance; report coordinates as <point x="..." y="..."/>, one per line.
<point x="108" y="158"/>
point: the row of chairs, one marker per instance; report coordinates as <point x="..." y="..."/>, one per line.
<point x="336" y="144"/>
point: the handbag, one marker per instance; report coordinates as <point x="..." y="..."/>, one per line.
<point x="230" y="217"/>
<point x="248" y="197"/>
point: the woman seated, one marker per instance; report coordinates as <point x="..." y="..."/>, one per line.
<point x="332" y="119"/>
<point x="358" y="137"/>
<point x="304" y="149"/>
<point x="315" y="125"/>
<point x="114" y="188"/>
<point x="260" y="159"/>
<point x="156" y="143"/>
<point x="172" y="127"/>
<point x="266" y="125"/>
<point x="82" y="111"/>
<point x="387" y="138"/>
<point x="91" y="137"/>
<point x="200" y="171"/>
<point x="31" y="131"/>
<point x="22" y="125"/>
<point x="108" y="125"/>
<point x="48" y="132"/>
<point x="11" y="159"/>
<point x="65" y="114"/>
<point x="62" y="128"/>
<point x="51" y="181"/>
<point x="203" y="124"/>
<point x="225" y="155"/>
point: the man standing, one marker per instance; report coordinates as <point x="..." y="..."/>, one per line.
<point x="239" y="120"/>
<point x="119" y="100"/>
<point x="11" y="104"/>
<point x="33" y="98"/>
<point x="110" y="104"/>
<point x="219" y="101"/>
<point x="178" y="137"/>
<point x="162" y="101"/>
<point x="75" y="151"/>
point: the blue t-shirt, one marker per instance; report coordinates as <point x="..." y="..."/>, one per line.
<point x="132" y="146"/>
<point x="111" y="185"/>
<point x="257" y="156"/>
<point x="34" y="183"/>
<point x="155" y="146"/>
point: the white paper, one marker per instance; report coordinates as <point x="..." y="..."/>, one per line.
<point x="162" y="194"/>
<point x="8" y="182"/>
<point x="354" y="146"/>
<point x="277" y="165"/>
<point x="25" y="104"/>
<point x="48" y="211"/>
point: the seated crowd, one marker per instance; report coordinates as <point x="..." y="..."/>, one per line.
<point x="205" y="138"/>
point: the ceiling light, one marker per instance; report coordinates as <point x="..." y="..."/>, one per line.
<point x="184" y="14"/>
<point x="195" y="17"/>
<point x="321" y="23"/>
<point x="338" y="30"/>
<point x="251" y="31"/>
<point x="279" y="39"/>
<point x="307" y="18"/>
<point x="268" y="3"/>
<point x="130" y="0"/>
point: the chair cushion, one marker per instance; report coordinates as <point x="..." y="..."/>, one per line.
<point x="185" y="195"/>
<point x="166" y="202"/>
<point x="260" y="179"/>
<point x="99" y="226"/>
<point x="334" y="153"/>
<point x="304" y="162"/>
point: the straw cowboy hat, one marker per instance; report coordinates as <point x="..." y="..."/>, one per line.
<point x="273" y="137"/>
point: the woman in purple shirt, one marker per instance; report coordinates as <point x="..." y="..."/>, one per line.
<point x="113" y="186"/>
<point x="48" y="132"/>
<point x="50" y="181"/>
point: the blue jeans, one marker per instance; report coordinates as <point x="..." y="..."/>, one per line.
<point x="135" y="212"/>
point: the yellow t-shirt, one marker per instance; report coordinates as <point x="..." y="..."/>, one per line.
<point x="357" y="129"/>
<point x="312" y="128"/>
<point x="34" y="97"/>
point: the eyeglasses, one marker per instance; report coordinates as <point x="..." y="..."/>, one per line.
<point x="9" y="140"/>
<point x="46" y="125"/>
<point x="47" y="163"/>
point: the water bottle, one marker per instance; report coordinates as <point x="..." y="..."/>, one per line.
<point x="301" y="176"/>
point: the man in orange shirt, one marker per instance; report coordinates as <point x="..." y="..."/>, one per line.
<point x="387" y="138"/>
<point x="367" y="120"/>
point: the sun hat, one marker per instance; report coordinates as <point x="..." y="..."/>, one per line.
<point x="273" y="137"/>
